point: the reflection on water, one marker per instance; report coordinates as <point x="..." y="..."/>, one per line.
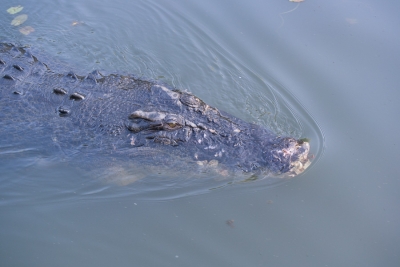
<point x="30" y="175"/>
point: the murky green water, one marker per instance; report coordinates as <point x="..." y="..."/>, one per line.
<point x="326" y="71"/>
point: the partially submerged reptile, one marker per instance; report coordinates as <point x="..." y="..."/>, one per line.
<point x="130" y="112"/>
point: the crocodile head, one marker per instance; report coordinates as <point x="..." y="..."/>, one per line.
<point x="185" y="122"/>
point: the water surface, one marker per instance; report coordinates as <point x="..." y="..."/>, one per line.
<point x="325" y="71"/>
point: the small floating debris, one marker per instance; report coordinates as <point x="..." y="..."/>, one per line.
<point x="26" y="30"/>
<point x="76" y="23"/>
<point x="15" y="9"/>
<point x="230" y="223"/>
<point x="18" y="20"/>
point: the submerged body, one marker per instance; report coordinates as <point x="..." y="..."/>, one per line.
<point x="125" y="113"/>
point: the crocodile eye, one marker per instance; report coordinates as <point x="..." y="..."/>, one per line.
<point x="172" y="124"/>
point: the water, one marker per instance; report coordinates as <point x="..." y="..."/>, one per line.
<point x="326" y="70"/>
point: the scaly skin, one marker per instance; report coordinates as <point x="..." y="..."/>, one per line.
<point x="129" y="112"/>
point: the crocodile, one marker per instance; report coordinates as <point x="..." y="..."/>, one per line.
<point x="131" y="113"/>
